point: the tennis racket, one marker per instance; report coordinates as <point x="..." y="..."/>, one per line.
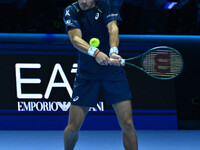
<point x="160" y="62"/>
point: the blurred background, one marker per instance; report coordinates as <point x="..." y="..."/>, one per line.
<point x="173" y="17"/>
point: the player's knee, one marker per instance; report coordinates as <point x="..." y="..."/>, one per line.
<point x="72" y="129"/>
<point x="70" y="133"/>
<point x="128" y="126"/>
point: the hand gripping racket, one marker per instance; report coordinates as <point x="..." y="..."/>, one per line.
<point x="160" y="62"/>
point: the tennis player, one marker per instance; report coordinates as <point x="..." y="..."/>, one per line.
<point x="86" y="19"/>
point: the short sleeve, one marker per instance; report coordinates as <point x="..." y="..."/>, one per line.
<point x="70" y="18"/>
<point x="111" y="12"/>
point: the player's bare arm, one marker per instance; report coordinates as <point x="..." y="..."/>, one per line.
<point x="114" y="42"/>
<point x="113" y="33"/>
<point x="75" y="36"/>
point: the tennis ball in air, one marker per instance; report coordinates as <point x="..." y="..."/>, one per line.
<point x="94" y="42"/>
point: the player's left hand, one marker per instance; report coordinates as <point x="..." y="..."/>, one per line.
<point x="115" y="60"/>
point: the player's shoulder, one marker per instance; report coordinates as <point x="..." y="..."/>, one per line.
<point x="73" y="7"/>
<point x="104" y="4"/>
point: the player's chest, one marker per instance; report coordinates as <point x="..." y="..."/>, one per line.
<point x="91" y="19"/>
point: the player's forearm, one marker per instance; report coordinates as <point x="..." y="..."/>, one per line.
<point x="80" y="44"/>
<point x="113" y="34"/>
<point x="75" y="36"/>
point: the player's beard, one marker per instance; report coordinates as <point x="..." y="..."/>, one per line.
<point x="87" y="6"/>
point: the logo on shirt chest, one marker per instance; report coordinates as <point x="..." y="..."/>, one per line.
<point x="97" y="16"/>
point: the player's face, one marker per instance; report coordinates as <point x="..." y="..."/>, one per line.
<point x="86" y="4"/>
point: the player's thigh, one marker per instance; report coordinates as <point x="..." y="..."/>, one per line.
<point x="123" y="111"/>
<point x="76" y="116"/>
<point x="85" y="92"/>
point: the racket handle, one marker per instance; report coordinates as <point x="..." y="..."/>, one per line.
<point x="122" y="61"/>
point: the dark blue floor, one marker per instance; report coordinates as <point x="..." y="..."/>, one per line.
<point x="100" y="140"/>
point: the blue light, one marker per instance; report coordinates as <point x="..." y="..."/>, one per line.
<point x="170" y="5"/>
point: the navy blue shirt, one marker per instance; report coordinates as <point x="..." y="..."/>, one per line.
<point x="93" y="24"/>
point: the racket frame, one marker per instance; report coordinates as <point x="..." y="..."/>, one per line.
<point x="142" y="59"/>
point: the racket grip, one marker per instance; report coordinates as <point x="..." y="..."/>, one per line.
<point x="122" y="61"/>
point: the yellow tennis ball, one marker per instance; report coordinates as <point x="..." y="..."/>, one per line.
<point x="94" y="42"/>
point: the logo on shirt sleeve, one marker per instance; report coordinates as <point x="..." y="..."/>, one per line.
<point x="68" y="22"/>
<point x="112" y="15"/>
<point x="67" y="13"/>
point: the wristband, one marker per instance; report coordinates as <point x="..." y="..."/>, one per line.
<point x="91" y="51"/>
<point x="114" y="50"/>
<point x="96" y="52"/>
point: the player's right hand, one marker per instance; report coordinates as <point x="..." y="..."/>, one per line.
<point x="102" y="58"/>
